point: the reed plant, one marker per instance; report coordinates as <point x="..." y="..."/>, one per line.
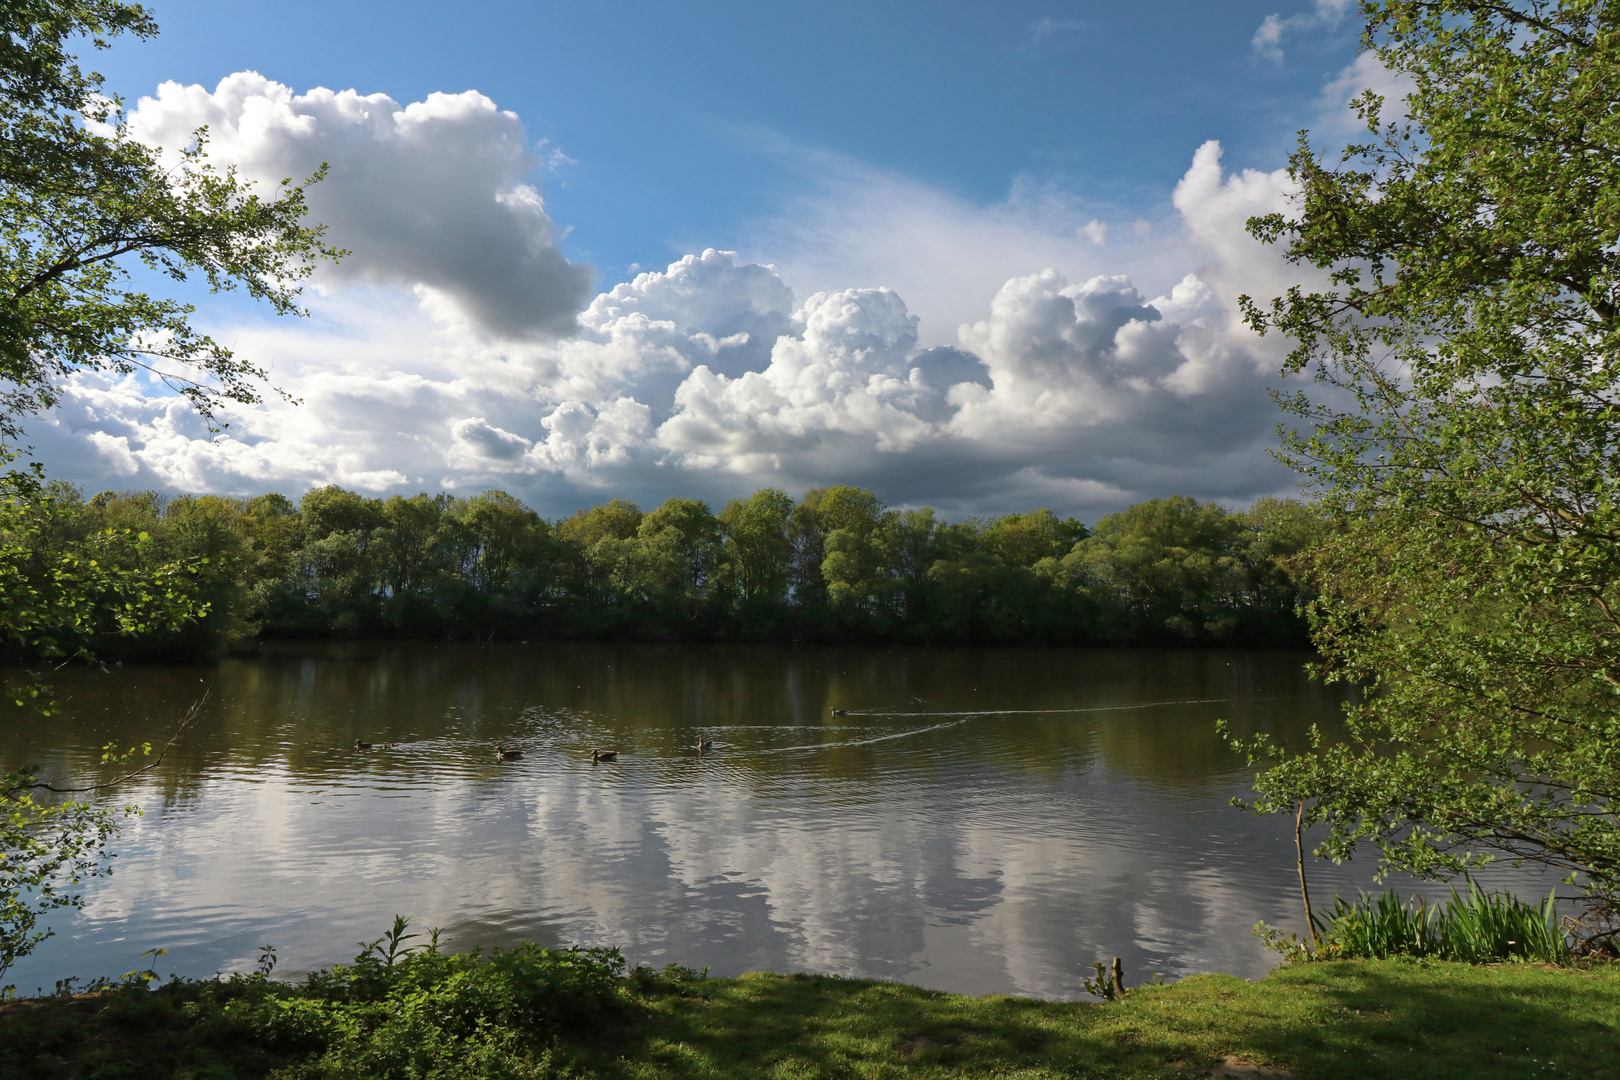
<point x="1472" y="927"/>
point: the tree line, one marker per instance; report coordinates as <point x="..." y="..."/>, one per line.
<point x="835" y="565"/>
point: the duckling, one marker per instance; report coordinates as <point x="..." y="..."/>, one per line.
<point x="840" y="712"/>
<point x="598" y="756"/>
<point x="358" y="745"/>
<point x="705" y="745"/>
<point x="502" y="754"/>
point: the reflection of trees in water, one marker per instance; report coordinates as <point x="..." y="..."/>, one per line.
<point x="296" y="709"/>
<point x="1002" y="853"/>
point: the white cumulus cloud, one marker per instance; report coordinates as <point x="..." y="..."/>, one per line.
<point x="1037" y="366"/>
<point x="1268" y="38"/>
<point x="430" y="195"/>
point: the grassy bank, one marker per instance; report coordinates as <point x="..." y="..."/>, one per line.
<point x="1385" y="1018"/>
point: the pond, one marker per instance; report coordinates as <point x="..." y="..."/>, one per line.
<point x="975" y="820"/>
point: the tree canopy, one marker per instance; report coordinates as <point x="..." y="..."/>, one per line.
<point x="80" y="201"/>
<point x="1466" y="328"/>
<point x="835" y="565"/>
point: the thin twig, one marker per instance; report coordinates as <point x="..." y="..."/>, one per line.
<point x="192" y="716"/>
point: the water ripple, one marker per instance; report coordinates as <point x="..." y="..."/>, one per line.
<point x="1049" y="807"/>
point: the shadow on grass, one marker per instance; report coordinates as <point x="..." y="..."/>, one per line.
<point x="122" y="1034"/>
<point x="1323" y="1021"/>
<point x="1422" y="1019"/>
<point x="809" y="1027"/>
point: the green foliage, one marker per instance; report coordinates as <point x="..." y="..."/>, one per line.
<point x="1167" y="564"/>
<point x="507" y="542"/>
<point x="47" y="849"/>
<point x="838" y="565"/>
<point x="422" y="1013"/>
<point x="331" y="509"/>
<point x="1179" y="569"/>
<point x="1479" y="927"/>
<point x="616" y="519"/>
<point x="1474" y="927"/>
<point x="662" y="575"/>
<point x="67" y="589"/>
<point x="758" y="545"/>
<point x="691" y="531"/>
<point x="1025" y="539"/>
<point x="1466" y="326"/>
<point x="396" y="1011"/>
<point x="78" y="197"/>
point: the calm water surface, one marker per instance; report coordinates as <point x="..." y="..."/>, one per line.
<point x="982" y="820"/>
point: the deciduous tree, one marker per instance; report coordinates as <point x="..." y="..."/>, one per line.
<point x="81" y="201"/>
<point x="1467" y="319"/>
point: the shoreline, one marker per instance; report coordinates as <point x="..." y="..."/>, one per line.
<point x="1344" y="1018"/>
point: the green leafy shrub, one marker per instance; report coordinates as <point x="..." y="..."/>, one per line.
<point x="398" y="1012"/>
<point x="1475" y="927"/>
<point x="421" y="1013"/>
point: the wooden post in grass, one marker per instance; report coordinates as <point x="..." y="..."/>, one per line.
<point x="1117" y="979"/>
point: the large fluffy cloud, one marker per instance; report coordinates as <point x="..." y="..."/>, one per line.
<point x="455" y="347"/>
<point x="429" y="195"/>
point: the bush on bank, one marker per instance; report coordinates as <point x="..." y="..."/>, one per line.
<point x="393" y="1012"/>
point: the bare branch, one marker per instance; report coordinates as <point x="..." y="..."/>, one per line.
<point x="186" y="724"/>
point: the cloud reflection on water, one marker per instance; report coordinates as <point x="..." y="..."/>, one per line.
<point x="1079" y="813"/>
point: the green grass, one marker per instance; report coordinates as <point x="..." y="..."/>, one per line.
<point x="1394" y="1018"/>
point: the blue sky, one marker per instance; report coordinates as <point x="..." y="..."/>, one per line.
<point x="951" y="152"/>
<point x="674" y="113"/>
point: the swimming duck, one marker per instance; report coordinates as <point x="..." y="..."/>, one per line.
<point x="506" y="755"/>
<point x="358" y="745"/>
<point x="840" y="712"/>
<point x="705" y="745"/>
<point x="604" y="755"/>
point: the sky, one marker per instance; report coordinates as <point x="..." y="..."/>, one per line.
<point x="983" y="256"/>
